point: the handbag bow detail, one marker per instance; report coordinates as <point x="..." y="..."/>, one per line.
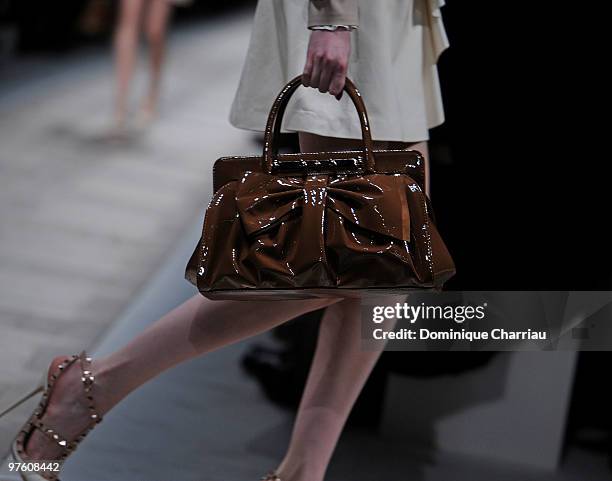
<point x="374" y="202"/>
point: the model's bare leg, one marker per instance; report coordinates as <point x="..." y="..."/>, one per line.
<point x="126" y="44"/>
<point x="197" y="326"/>
<point x="156" y="25"/>
<point x="423" y="148"/>
<point x="338" y="371"/>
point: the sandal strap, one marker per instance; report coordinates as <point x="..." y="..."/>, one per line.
<point x="88" y="379"/>
<point x="34" y="420"/>
<point x="54" y="435"/>
<point x="54" y="375"/>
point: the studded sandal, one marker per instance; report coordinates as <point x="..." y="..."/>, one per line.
<point x="35" y="422"/>
<point x="271" y="476"/>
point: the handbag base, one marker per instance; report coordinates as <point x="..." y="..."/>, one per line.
<point x="315" y="293"/>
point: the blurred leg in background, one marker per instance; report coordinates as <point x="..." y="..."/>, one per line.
<point x="126" y="49"/>
<point x="156" y="26"/>
<point x="153" y="16"/>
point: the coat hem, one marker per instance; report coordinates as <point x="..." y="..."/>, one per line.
<point x="303" y="121"/>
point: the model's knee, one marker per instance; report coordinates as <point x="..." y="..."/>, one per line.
<point x="126" y="32"/>
<point x="350" y="307"/>
<point x="155" y="35"/>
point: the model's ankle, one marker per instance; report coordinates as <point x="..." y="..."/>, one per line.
<point x="103" y="388"/>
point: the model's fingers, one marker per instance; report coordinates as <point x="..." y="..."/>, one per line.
<point x="336" y="85"/>
<point x="326" y="77"/>
<point x="307" y="74"/>
<point x="315" y="76"/>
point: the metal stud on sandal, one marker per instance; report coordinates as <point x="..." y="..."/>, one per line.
<point x="35" y="422"/>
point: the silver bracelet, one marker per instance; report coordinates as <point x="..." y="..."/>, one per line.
<point x="334" y="28"/>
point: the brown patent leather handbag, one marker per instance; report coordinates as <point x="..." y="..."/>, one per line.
<point x="339" y="224"/>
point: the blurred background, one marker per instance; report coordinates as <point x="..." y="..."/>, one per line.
<point x="100" y="212"/>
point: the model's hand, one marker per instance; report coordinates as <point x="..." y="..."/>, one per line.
<point x="327" y="61"/>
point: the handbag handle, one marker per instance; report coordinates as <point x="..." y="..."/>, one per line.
<point x="273" y="127"/>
